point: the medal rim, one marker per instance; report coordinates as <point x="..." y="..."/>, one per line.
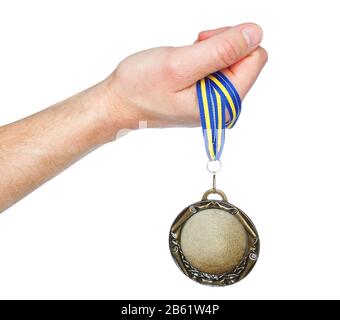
<point x="246" y="264"/>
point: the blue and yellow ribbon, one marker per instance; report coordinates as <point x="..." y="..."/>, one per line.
<point x="217" y="98"/>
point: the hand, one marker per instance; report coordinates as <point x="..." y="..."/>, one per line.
<point x="158" y="85"/>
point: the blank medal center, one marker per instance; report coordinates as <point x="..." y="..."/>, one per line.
<point x="214" y="241"/>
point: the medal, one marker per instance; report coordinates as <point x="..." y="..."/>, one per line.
<point x="212" y="241"/>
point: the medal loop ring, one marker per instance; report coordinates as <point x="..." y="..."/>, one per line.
<point x="214" y="166"/>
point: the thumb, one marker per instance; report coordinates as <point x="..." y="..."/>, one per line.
<point x="191" y="63"/>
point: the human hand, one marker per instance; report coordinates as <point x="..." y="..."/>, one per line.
<point x="158" y="85"/>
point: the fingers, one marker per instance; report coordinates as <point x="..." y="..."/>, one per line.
<point x="203" y="35"/>
<point x="191" y="63"/>
<point x="244" y="73"/>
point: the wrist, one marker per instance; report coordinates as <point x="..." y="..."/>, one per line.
<point x="120" y="116"/>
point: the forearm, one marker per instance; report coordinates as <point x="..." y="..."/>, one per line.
<point x="35" y="149"/>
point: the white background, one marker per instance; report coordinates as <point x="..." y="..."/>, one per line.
<point x="100" y="229"/>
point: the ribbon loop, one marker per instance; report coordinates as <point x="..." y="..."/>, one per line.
<point x="217" y="97"/>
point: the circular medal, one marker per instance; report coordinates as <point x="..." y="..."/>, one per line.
<point x="213" y="242"/>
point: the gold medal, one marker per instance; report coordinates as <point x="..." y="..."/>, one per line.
<point x="213" y="242"/>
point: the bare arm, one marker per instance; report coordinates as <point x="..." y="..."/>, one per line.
<point x="37" y="148"/>
<point x="157" y="86"/>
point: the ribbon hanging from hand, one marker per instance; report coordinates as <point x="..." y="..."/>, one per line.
<point x="217" y="98"/>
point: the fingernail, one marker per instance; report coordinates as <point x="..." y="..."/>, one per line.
<point x="253" y="35"/>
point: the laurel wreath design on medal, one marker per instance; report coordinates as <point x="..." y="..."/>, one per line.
<point x="244" y="266"/>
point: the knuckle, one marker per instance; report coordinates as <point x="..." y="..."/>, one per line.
<point x="201" y="35"/>
<point x="227" y="52"/>
<point x="261" y="54"/>
<point x="173" y="69"/>
<point x="264" y="54"/>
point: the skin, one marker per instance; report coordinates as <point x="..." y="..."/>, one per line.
<point x="155" y="85"/>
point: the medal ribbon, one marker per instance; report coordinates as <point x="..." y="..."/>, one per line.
<point x="216" y="96"/>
